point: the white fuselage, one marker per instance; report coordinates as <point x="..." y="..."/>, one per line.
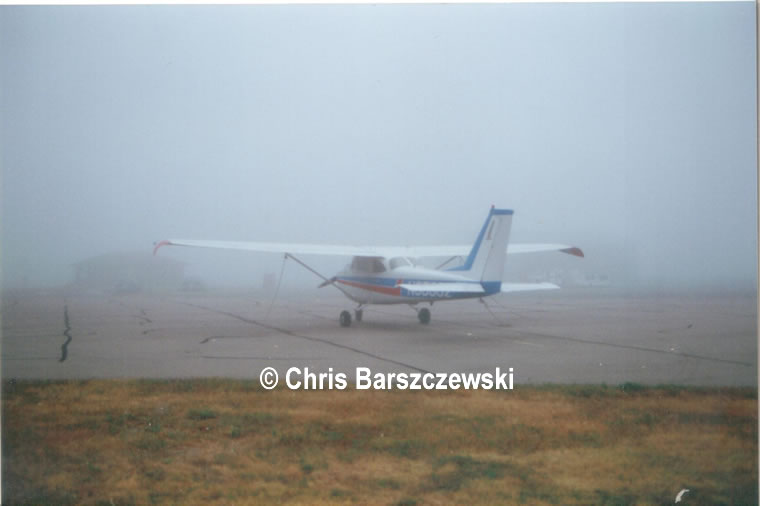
<point x="379" y="282"/>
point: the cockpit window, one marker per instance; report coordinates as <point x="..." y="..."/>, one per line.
<point x="360" y="264"/>
<point x="399" y="262"/>
<point x="377" y="265"/>
<point x="368" y="264"/>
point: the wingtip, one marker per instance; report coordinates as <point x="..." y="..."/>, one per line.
<point x="159" y="244"/>
<point x="574" y="251"/>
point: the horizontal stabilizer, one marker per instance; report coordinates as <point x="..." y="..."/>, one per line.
<point x="527" y="287"/>
<point x="462" y="250"/>
<point x="536" y="248"/>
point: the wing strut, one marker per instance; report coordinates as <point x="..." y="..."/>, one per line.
<point x="277" y="290"/>
<point x="447" y="261"/>
<point x="326" y="280"/>
<point x="288" y="255"/>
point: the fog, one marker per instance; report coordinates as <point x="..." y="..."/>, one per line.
<point x="626" y="129"/>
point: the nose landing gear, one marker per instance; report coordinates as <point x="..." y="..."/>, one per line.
<point x="345" y="316"/>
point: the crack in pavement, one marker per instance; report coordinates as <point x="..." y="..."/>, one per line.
<point x="308" y="338"/>
<point x="214" y="338"/>
<point x="143" y="319"/>
<point x="67" y="333"/>
<point x="634" y="347"/>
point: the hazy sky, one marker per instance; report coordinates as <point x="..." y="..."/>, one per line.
<point x="616" y="127"/>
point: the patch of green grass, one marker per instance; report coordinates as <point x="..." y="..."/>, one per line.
<point x="588" y="391"/>
<point x="155" y="473"/>
<point x="588" y="439"/>
<point x="389" y="483"/>
<point x="647" y="419"/>
<point x="632" y="388"/>
<point x="19" y="437"/>
<point x="339" y="493"/>
<point x="407" y="448"/>
<point x="156" y="497"/>
<point x="117" y="423"/>
<point x="575" y="390"/>
<point x="292" y="439"/>
<point x="332" y="435"/>
<point x="224" y="459"/>
<point x="150" y="443"/>
<point x="42" y="496"/>
<point x="93" y="468"/>
<point x="451" y="473"/>
<point x="201" y="414"/>
<point x="243" y="424"/>
<point x="614" y="498"/>
<point x="519" y="437"/>
<point x="88" y="424"/>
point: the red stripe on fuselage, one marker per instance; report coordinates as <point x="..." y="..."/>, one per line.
<point x="387" y="290"/>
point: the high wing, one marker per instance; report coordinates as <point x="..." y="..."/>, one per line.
<point x="279" y="247"/>
<point x="342" y="250"/>
<point x="527" y="287"/>
<point x="464" y="250"/>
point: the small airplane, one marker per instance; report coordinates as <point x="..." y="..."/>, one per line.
<point x="392" y="275"/>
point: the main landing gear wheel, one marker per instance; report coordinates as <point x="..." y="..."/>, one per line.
<point x="345" y="319"/>
<point x="359" y="313"/>
<point x="424" y="315"/>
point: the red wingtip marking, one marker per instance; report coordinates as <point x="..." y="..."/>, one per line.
<point x="162" y="243"/>
<point x="573" y="251"/>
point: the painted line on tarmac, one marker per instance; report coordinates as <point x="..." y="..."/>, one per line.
<point x="308" y="338"/>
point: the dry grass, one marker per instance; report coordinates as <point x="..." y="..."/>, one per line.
<point x="227" y="441"/>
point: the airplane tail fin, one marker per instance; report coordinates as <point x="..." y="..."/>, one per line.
<point x="489" y="252"/>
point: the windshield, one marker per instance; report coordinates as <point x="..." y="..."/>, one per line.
<point x="399" y="262"/>
<point x="368" y="264"/>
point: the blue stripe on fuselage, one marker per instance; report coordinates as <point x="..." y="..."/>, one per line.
<point x="394" y="281"/>
<point x="490" y="287"/>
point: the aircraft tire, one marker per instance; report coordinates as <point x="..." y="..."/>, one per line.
<point x="345" y="319"/>
<point x="358" y="314"/>
<point x="424" y="315"/>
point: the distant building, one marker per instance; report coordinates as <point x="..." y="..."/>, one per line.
<point x="123" y="273"/>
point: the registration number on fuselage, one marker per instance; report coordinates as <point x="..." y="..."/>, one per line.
<point x="428" y="294"/>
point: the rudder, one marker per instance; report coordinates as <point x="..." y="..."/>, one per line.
<point x="489" y="252"/>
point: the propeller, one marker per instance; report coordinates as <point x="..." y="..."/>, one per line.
<point x="328" y="282"/>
